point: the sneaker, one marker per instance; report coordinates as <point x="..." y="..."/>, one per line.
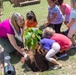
<point x="62" y="55"/>
<point x="57" y="67"/>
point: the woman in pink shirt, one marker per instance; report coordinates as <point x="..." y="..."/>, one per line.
<point x="9" y="30"/>
<point x="61" y="39"/>
<point x="66" y="10"/>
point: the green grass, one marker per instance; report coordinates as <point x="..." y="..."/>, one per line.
<point x="39" y="9"/>
<point x="68" y="66"/>
<point x="69" y="62"/>
<point x="1" y="74"/>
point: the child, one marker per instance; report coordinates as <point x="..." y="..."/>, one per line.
<point x="66" y="10"/>
<point x="61" y="39"/>
<point x="72" y="23"/>
<point x="31" y="20"/>
<point x="55" y="16"/>
<point x="11" y="30"/>
<point x="52" y="48"/>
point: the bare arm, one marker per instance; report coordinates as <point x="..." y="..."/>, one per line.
<point x="23" y="39"/>
<point x="71" y="23"/>
<point x="48" y="17"/>
<point x="53" y="17"/>
<point x="50" y="20"/>
<point x="14" y="44"/>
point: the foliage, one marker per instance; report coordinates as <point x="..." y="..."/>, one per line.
<point x="32" y="35"/>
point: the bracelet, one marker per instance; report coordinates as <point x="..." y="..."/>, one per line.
<point x="23" y="53"/>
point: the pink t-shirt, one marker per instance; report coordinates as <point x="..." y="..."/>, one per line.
<point x="63" y="41"/>
<point x="5" y="28"/>
<point x="67" y="8"/>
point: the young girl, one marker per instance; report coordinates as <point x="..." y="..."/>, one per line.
<point x="61" y="39"/>
<point x="66" y="10"/>
<point x="72" y="23"/>
<point x="31" y="20"/>
<point x="52" y="48"/>
<point x="11" y="31"/>
<point x="55" y="17"/>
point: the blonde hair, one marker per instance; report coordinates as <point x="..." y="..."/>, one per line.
<point x="73" y="2"/>
<point x="48" y="32"/>
<point x="15" y="17"/>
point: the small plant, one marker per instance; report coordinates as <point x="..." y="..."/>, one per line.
<point x="32" y="35"/>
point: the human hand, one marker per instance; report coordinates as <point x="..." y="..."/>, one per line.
<point x="68" y="26"/>
<point x="46" y="23"/>
<point x="26" y="57"/>
<point x="22" y="60"/>
<point x="66" y="22"/>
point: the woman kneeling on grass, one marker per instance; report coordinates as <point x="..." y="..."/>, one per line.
<point x="11" y="31"/>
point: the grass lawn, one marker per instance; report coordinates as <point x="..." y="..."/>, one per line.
<point x="39" y="9"/>
<point x="68" y="63"/>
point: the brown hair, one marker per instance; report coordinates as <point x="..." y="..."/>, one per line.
<point x="54" y="1"/>
<point x="15" y="17"/>
<point x="31" y="15"/>
<point x="59" y="2"/>
<point x="48" y="32"/>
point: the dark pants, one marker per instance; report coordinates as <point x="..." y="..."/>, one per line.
<point x="56" y="27"/>
<point x="7" y="48"/>
<point x="5" y="43"/>
<point x="65" y="32"/>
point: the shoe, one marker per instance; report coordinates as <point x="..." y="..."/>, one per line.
<point x="57" y="54"/>
<point x="63" y="54"/>
<point x="65" y="32"/>
<point x="56" y="67"/>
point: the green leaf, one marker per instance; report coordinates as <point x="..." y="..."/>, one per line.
<point x="29" y="45"/>
<point x="35" y="30"/>
<point x="38" y="37"/>
<point x="28" y="36"/>
<point x="31" y="36"/>
<point x="25" y="32"/>
<point x="39" y="32"/>
<point x="34" y="41"/>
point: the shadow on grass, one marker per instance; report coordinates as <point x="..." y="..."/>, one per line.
<point x="26" y="68"/>
<point x="14" y="58"/>
<point x="70" y="52"/>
